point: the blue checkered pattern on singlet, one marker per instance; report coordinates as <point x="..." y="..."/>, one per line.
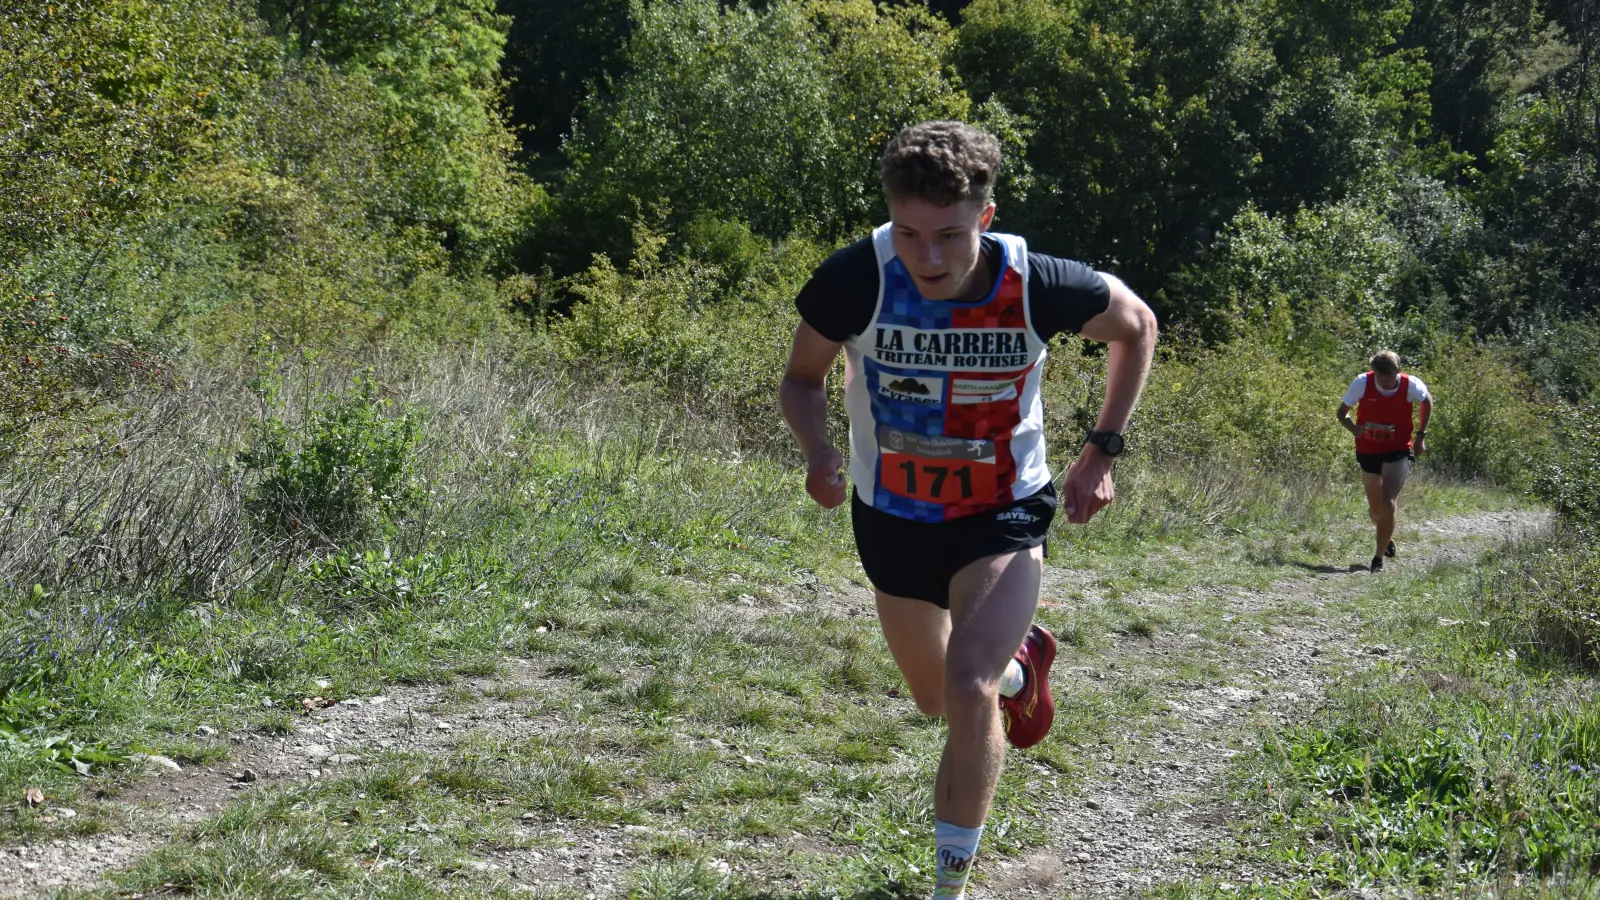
<point x="904" y="306"/>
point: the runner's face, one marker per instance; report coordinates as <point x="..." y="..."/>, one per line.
<point x="1388" y="382"/>
<point x="940" y="245"/>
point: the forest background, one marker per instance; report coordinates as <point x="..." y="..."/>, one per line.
<point x="627" y="186"/>
<point x="274" y="239"/>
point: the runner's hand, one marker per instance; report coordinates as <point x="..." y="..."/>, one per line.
<point x="1088" y="487"/>
<point x="1420" y="447"/>
<point x="825" y="480"/>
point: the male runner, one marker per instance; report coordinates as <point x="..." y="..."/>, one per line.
<point x="1383" y="399"/>
<point x="944" y="329"/>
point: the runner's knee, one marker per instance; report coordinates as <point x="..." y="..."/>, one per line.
<point x="970" y="688"/>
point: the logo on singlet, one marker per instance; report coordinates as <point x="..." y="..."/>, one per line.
<point x="913" y="390"/>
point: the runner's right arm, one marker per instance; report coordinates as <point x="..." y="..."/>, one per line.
<point x="1344" y="418"/>
<point x="804" y="399"/>
<point x="1352" y="395"/>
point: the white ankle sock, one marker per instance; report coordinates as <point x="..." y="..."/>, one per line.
<point x="954" y="848"/>
<point x="1014" y="679"/>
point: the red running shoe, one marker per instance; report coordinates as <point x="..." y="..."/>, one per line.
<point x="1029" y="714"/>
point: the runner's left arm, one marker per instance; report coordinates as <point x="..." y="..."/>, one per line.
<point x="1129" y="329"/>
<point x="1423" y="415"/>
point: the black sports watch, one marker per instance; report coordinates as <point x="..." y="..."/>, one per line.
<point x="1109" y="441"/>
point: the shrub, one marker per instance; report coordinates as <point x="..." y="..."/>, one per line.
<point x="1490" y="421"/>
<point x="771" y="113"/>
<point x="340" y="478"/>
<point x="53" y="376"/>
<point x="712" y="329"/>
<point x="1311" y="285"/>
<point x="1231" y="405"/>
<point x="1545" y="597"/>
<point x="1565" y="360"/>
<point x="1572" y="482"/>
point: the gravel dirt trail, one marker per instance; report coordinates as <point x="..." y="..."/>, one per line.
<point x="1161" y="818"/>
<point x="1148" y="814"/>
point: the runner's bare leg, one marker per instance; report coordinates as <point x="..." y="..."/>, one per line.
<point x="1390" y="482"/>
<point x="917" y="633"/>
<point x="992" y="604"/>
<point x="1373" y="484"/>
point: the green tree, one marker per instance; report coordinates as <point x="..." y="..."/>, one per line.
<point x="435" y="66"/>
<point x="1541" y="194"/>
<point x="772" y="117"/>
<point x="100" y="102"/>
<point x="100" y="107"/>
<point x="1317" y="285"/>
<point x="1153" y="123"/>
<point x="557" y="52"/>
<point x="1477" y="49"/>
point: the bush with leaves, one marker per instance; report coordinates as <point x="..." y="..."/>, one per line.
<point x="100" y="102"/>
<point x="772" y="115"/>
<point x="1572" y="480"/>
<point x="1154" y="122"/>
<point x="342" y="477"/>
<point x="1564" y="358"/>
<point x="712" y="322"/>
<point x="1489" y="419"/>
<point x="1233" y="405"/>
<point x="434" y="71"/>
<point x="1316" y="285"/>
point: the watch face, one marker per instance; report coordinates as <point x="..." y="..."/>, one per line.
<point x="1113" y="444"/>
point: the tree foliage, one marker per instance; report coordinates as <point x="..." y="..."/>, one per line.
<point x="434" y="68"/>
<point x="774" y="117"/>
<point x="557" y="51"/>
<point x="1153" y="123"/>
<point x="99" y="101"/>
<point x="173" y="174"/>
<point x="1307" y="177"/>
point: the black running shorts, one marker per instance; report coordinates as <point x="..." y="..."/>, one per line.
<point x="918" y="559"/>
<point x="1372" y="463"/>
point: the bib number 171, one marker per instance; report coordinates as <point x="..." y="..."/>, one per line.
<point x="937" y="478"/>
<point x="943" y="481"/>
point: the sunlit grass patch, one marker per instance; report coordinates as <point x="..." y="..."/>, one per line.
<point x="1457" y="766"/>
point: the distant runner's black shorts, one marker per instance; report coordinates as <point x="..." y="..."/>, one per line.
<point x="1372" y="463"/>
<point x="918" y="559"/>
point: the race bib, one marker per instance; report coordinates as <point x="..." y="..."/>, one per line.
<point x="938" y="470"/>
<point x="1379" y="431"/>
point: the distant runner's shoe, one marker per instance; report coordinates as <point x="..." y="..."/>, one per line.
<point x="1377" y="564"/>
<point x="1030" y="713"/>
<point x="1389" y="550"/>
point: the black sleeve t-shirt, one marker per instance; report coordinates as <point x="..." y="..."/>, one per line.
<point x="842" y="295"/>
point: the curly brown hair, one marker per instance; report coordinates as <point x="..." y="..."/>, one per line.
<point x="941" y="162"/>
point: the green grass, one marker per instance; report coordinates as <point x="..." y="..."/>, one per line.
<point x="1459" y="767"/>
<point x="1263" y="528"/>
<point x="668" y="592"/>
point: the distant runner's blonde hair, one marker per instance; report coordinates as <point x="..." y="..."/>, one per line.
<point x="1386" y="362"/>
